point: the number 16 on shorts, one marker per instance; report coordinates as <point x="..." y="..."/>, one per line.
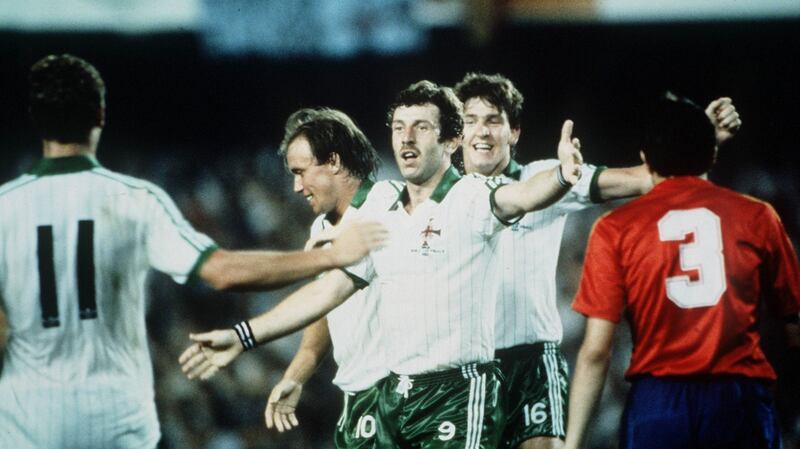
<point x="534" y="413"/>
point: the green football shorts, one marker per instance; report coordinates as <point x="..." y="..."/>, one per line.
<point x="358" y="424"/>
<point x="536" y="387"/>
<point x="460" y="408"/>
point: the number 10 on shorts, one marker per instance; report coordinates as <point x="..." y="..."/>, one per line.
<point x="534" y="414"/>
<point x="365" y="428"/>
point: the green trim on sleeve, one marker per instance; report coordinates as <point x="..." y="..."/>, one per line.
<point x="594" y="188"/>
<point x="359" y="283"/>
<point x="195" y="272"/>
<point x="493" y="204"/>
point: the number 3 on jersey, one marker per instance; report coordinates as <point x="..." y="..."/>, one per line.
<point x="704" y="254"/>
<point x="48" y="293"/>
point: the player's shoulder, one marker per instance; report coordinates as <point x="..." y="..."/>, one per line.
<point x="386" y="189"/>
<point x="134" y="191"/>
<point x="15" y="184"/>
<point x="477" y="181"/>
<point x="532" y="168"/>
<point x="381" y="196"/>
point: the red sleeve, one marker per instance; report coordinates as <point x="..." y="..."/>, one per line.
<point x="781" y="272"/>
<point x="602" y="291"/>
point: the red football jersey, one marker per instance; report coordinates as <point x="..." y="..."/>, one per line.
<point x="688" y="263"/>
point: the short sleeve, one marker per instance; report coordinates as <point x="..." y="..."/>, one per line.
<point x="602" y="292"/>
<point x="173" y="246"/>
<point x="362" y="273"/>
<point x="782" y="276"/>
<point x="479" y="207"/>
<point x="580" y="196"/>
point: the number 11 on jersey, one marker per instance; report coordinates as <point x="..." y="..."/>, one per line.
<point x="48" y="293"/>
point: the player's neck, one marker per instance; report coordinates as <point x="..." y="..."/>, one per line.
<point x="657" y="179"/>
<point x="348" y="191"/>
<point x="488" y="171"/>
<point x="418" y="193"/>
<point x="54" y="148"/>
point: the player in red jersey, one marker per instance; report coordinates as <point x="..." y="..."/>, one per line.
<point x="687" y="264"/>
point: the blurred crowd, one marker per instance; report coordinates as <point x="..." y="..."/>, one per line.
<point x="245" y="200"/>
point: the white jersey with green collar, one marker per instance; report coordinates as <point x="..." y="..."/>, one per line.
<point x="353" y="326"/>
<point x="76" y="243"/>
<point x="528" y="254"/>
<point x="438" y="286"/>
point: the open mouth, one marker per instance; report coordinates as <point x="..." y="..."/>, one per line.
<point x="482" y="147"/>
<point x="408" y="155"/>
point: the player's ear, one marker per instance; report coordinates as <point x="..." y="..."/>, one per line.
<point x="101" y="117"/>
<point x="335" y="163"/>
<point x="453" y="144"/>
<point x="515" y="132"/>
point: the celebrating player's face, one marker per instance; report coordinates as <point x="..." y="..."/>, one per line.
<point x="488" y="138"/>
<point x="312" y="179"/>
<point x="415" y="140"/>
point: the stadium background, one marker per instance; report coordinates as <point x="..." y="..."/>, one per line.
<point x="198" y="92"/>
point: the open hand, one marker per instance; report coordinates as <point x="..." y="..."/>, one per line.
<point x="569" y="153"/>
<point x="211" y="352"/>
<point x="281" y="405"/>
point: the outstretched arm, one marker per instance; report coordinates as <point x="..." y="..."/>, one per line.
<point x="218" y="348"/>
<point x="243" y="270"/>
<point x="615" y="183"/>
<point x="283" y="399"/>
<point x="547" y="187"/>
<point x="589" y="377"/>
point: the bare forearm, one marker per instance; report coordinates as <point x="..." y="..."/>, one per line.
<point x="587" y="385"/>
<point x="303" y="307"/>
<point x="538" y="192"/>
<point x="243" y="270"/>
<point x="589" y="377"/>
<point x="615" y="183"/>
<point x="314" y="346"/>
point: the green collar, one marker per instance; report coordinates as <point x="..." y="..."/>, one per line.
<point x="63" y="165"/>
<point x="450" y="177"/>
<point x="513" y="170"/>
<point x="361" y="193"/>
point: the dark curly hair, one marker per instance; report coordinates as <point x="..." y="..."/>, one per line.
<point x="330" y="131"/>
<point x="497" y="90"/>
<point x="423" y="92"/>
<point x="67" y="98"/>
<point x="678" y="139"/>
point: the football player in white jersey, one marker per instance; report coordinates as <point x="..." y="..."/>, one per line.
<point x="76" y="242"/>
<point x="437" y="286"/>
<point x="528" y="328"/>
<point x="334" y="165"/>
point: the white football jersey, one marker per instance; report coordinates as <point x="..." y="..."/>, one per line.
<point x="437" y="286"/>
<point x="353" y="325"/>
<point x="528" y="255"/>
<point x="76" y="243"/>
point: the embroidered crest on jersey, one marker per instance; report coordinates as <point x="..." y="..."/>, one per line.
<point x="428" y="235"/>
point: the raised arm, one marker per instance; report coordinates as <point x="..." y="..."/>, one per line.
<point x="547" y="187"/>
<point x="722" y="114"/>
<point x="589" y="377"/>
<point x="250" y="270"/>
<point x="218" y="348"/>
<point x="283" y="399"/>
